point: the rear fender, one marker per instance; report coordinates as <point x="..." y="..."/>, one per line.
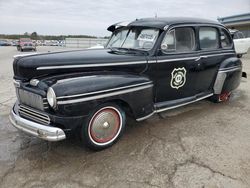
<point x="228" y="76"/>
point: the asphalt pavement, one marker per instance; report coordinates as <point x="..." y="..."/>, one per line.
<point x="202" y="145"/>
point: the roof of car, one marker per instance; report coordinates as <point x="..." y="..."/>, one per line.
<point x="162" y="22"/>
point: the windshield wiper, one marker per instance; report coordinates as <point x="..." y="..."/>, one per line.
<point x="134" y="49"/>
<point x="130" y="50"/>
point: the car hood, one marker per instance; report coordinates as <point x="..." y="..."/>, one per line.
<point x="38" y="65"/>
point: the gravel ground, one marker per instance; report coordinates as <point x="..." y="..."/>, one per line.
<point x="203" y="145"/>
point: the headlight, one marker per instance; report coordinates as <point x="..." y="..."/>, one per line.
<point x="51" y="97"/>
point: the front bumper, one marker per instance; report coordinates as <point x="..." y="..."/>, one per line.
<point x="44" y="132"/>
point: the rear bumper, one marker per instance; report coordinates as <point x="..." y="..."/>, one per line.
<point x="44" y="132"/>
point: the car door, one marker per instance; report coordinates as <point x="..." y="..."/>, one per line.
<point x="215" y="45"/>
<point x="176" y="65"/>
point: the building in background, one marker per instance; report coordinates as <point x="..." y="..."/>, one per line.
<point x="239" y="22"/>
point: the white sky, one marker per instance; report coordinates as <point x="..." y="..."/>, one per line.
<point x="93" y="17"/>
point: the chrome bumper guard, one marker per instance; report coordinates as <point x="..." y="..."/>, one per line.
<point x="36" y="129"/>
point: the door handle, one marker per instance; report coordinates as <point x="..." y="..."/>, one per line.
<point x="204" y="57"/>
<point x="201" y="57"/>
<point x="198" y="58"/>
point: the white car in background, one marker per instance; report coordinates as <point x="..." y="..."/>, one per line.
<point x="241" y="43"/>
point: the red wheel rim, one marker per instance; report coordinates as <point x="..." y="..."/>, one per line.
<point x="224" y="96"/>
<point x="105" y="125"/>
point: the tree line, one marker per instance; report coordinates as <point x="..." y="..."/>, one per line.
<point x="35" y="36"/>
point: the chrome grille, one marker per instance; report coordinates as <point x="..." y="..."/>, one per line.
<point x="34" y="115"/>
<point x="31" y="99"/>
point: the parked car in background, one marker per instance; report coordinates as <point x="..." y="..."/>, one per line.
<point x="148" y="66"/>
<point x="25" y="44"/>
<point x="4" y="42"/>
<point x="14" y="42"/>
<point x="241" y="43"/>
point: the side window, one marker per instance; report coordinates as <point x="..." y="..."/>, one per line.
<point x="179" y="40"/>
<point x="226" y="41"/>
<point x="208" y="37"/>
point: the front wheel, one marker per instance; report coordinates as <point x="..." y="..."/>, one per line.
<point x="103" y="127"/>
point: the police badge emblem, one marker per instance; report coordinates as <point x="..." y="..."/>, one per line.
<point x="178" y="78"/>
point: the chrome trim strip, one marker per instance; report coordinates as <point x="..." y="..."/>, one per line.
<point x="230" y="69"/>
<point x="212" y="55"/>
<point x="103" y="91"/>
<point x="43" y="117"/>
<point x="90" y="65"/>
<point x="36" y="119"/>
<point x="191" y="58"/>
<point x="179" y="105"/>
<point x="122" y="63"/>
<point x="36" y="129"/>
<point x="152" y="61"/>
<point x="30" y="109"/>
<point x="70" y="79"/>
<point x="145" y="117"/>
<point x="33" y="114"/>
<point x="222" y="69"/>
<point x="177" y="59"/>
<point x="24" y="55"/>
<point x="104" y="95"/>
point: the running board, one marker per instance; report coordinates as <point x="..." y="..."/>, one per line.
<point x="160" y="107"/>
<point x="163" y="106"/>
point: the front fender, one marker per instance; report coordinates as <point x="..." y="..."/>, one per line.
<point x="77" y="96"/>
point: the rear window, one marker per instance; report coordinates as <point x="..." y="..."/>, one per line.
<point x="208" y="37"/>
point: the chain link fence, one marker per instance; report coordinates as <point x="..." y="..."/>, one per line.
<point x="84" y="42"/>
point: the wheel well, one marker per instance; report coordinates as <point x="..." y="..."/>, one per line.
<point x="124" y="105"/>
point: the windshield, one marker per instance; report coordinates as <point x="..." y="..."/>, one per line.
<point x="134" y="38"/>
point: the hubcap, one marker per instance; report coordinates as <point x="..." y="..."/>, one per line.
<point x="105" y="125"/>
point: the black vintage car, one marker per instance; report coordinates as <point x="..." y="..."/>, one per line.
<point x="148" y="66"/>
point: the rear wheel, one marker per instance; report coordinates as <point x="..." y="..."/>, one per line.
<point x="223" y="97"/>
<point x="103" y="127"/>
